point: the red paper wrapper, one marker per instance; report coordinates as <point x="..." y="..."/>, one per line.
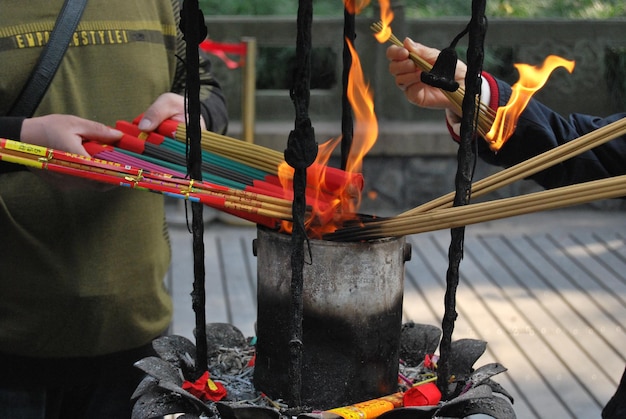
<point x="423" y="395"/>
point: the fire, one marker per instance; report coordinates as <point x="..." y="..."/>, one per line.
<point x="331" y="204"/>
<point x="355" y="6"/>
<point x="366" y="124"/>
<point x="386" y="17"/>
<point x="531" y="79"/>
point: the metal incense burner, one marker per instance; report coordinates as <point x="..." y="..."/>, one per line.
<point x="352" y="317"/>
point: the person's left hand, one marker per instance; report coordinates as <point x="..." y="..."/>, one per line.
<point x="167" y="106"/>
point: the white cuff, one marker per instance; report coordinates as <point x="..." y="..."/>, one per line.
<point x="455" y="121"/>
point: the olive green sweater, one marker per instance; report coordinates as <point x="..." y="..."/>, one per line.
<point x="82" y="268"/>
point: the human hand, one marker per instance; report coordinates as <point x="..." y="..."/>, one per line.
<point x="167" y="106"/>
<point x="66" y="132"/>
<point x="408" y="75"/>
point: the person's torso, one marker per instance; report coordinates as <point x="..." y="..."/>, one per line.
<point x="82" y="269"/>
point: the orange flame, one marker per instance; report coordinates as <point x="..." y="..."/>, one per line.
<point x="355" y="6"/>
<point x="386" y="17"/>
<point x="531" y="79"/>
<point x="330" y="205"/>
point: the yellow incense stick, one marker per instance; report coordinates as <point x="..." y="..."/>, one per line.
<point x="446" y="218"/>
<point x="533" y="165"/>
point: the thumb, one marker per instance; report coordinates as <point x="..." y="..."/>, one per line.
<point x="147" y="123"/>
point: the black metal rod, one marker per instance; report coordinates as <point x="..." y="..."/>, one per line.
<point x="300" y="154"/>
<point x="347" y="122"/>
<point x="191" y="21"/>
<point x="466" y="161"/>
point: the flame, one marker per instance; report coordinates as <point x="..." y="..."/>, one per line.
<point x="355" y="6"/>
<point x="386" y="17"/>
<point x="323" y="199"/>
<point x="531" y="79"/>
<point x="366" y="124"/>
<point x="331" y="205"/>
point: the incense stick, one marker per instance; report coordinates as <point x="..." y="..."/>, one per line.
<point x="439" y="219"/>
<point x="533" y="165"/>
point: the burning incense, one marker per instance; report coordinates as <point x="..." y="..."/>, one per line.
<point x="486" y="115"/>
<point x="447" y="218"/>
<point x="495" y="126"/>
<point x="438" y="214"/>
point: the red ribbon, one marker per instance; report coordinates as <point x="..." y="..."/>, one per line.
<point x="220" y="49"/>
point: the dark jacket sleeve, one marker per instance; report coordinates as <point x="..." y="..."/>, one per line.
<point x="11" y="127"/>
<point x="540" y="129"/>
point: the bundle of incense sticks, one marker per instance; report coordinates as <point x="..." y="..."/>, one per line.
<point x="438" y="214"/>
<point x="225" y="164"/>
<point x="259" y="208"/>
<point x="262" y="158"/>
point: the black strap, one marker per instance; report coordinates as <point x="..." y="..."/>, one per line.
<point x="50" y="58"/>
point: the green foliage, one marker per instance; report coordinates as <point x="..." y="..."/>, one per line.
<point x="571" y="9"/>
<point x="274" y="7"/>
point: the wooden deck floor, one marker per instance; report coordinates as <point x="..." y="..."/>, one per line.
<point x="546" y="291"/>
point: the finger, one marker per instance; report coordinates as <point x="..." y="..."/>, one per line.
<point x="427" y="53"/>
<point x="408" y="78"/>
<point x="95" y="131"/>
<point x="78" y="148"/>
<point x="166" y="106"/>
<point x="396" y="53"/>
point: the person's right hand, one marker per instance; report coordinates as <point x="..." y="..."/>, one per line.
<point x="408" y="75"/>
<point x="66" y="132"/>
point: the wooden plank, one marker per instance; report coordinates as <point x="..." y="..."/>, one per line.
<point x="608" y="250"/>
<point x="540" y="339"/>
<point x="583" y="292"/>
<point x="423" y="294"/>
<point x="505" y="331"/>
<point x="557" y="355"/>
<point x="238" y="279"/>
